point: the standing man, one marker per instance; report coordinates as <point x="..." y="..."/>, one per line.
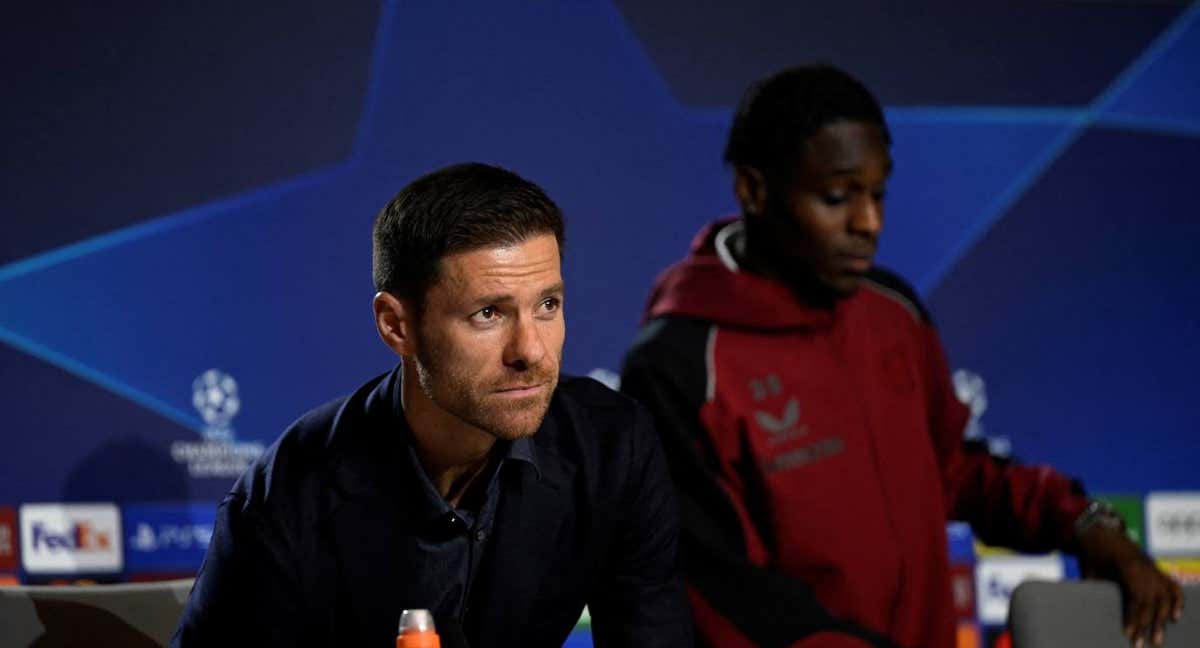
<point x="471" y="480"/>
<point x="807" y="411"/>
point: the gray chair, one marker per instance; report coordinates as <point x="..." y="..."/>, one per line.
<point x="140" y="615"/>
<point x="1086" y="614"/>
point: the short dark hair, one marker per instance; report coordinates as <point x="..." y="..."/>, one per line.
<point x="456" y="209"/>
<point x="781" y="111"/>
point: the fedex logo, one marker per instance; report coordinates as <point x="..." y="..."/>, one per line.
<point x="82" y="536"/>
<point x="71" y="538"/>
<point x="996" y="588"/>
<point x="996" y="578"/>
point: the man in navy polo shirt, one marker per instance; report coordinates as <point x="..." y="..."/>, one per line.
<point x="471" y="480"/>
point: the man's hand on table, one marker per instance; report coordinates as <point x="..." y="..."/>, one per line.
<point x="1150" y="597"/>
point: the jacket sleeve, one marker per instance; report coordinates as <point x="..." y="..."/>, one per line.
<point x="1024" y="507"/>
<point x="734" y="601"/>
<point x="246" y="593"/>
<point x="640" y="599"/>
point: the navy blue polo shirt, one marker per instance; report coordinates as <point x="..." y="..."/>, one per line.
<point x="453" y="541"/>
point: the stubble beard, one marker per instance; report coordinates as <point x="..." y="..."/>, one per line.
<point x="455" y="392"/>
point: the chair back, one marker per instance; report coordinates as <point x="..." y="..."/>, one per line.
<point x="1086" y="614"/>
<point x="137" y="615"/>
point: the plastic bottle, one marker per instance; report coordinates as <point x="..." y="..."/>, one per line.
<point x="417" y="631"/>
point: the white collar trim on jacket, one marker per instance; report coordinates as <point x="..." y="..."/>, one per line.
<point x="721" y="243"/>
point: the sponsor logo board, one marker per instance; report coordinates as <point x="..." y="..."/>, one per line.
<point x="1184" y="570"/>
<point x="997" y="577"/>
<point x="967" y="636"/>
<point x="1173" y="524"/>
<point x="71" y="538"/>
<point x="8" y="539"/>
<point x="962" y="585"/>
<point x="1130" y="508"/>
<point x="961" y="542"/>
<point x="167" y="537"/>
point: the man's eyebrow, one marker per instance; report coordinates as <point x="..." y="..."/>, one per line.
<point x="852" y="170"/>
<point x="501" y="298"/>
<point x="495" y="298"/>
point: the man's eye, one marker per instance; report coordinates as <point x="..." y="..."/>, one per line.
<point x="484" y="315"/>
<point x="551" y="305"/>
<point x="833" y="199"/>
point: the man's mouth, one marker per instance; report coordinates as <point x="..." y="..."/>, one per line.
<point x="521" y="390"/>
<point x="857" y="263"/>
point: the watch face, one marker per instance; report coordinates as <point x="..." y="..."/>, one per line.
<point x="1109" y="516"/>
<point x="1099" y="513"/>
<point x="1110" y="520"/>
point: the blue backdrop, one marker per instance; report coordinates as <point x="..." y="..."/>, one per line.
<point x="190" y="187"/>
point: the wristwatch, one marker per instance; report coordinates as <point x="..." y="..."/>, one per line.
<point x="1098" y="513"/>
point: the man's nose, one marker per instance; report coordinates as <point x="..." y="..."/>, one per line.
<point x="867" y="216"/>
<point x="525" y="347"/>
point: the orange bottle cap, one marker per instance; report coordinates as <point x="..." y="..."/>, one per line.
<point x="428" y="639"/>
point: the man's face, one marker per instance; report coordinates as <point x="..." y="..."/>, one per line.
<point x="823" y="215"/>
<point x="490" y="337"/>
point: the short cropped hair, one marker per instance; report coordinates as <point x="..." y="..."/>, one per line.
<point x="456" y="209"/>
<point x="779" y="113"/>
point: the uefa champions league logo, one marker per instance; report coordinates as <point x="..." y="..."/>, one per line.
<point x="219" y="455"/>
<point x="972" y="392"/>
<point x="215" y="396"/>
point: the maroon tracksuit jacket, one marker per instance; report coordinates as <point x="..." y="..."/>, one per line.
<point x="819" y="454"/>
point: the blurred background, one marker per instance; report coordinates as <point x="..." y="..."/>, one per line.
<point x="188" y="190"/>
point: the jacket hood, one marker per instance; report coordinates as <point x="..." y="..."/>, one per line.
<point x="709" y="285"/>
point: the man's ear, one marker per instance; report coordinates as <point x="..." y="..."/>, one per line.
<point x="395" y="320"/>
<point x="750" y="186"/>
